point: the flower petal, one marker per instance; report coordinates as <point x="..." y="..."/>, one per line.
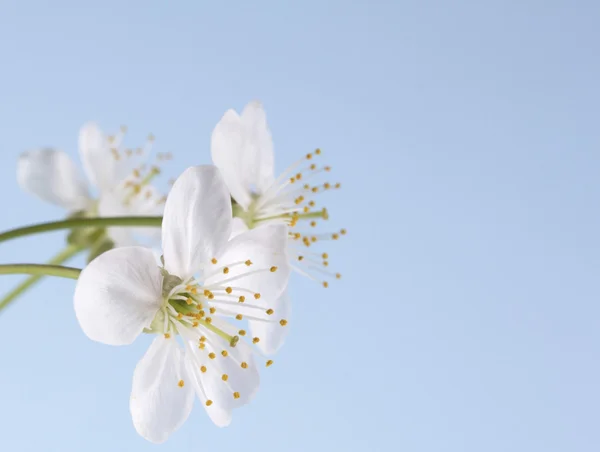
<point x="162" y="395"/>
<point x="272" y="334"/>
<point x="221" y="416"/>
<point x="265" y="247"/>
<point x="237" y="227"/>
<point x="227" y="147"/>
<point x="197" y="220"/>
<point x="101" y="167"/>
<point x="118" y="295"/>
<point x="52" y="176"/>
<point x="223" y="375"/>
<point x="258" y="152"/>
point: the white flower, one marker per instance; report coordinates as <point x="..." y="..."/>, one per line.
<point x="122" y="190"/>
<point x="242" y="149"/>
<point x="208" y="285"/>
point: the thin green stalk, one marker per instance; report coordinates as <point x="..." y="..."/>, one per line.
<point x="61" y="257"/>
<point x="80" y="223"/>
<point x="40" y="270"/>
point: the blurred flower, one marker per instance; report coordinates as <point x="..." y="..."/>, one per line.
<point x="125" y="292"/>
<point x="242" y="149"/>
<point x="122" y="189"/>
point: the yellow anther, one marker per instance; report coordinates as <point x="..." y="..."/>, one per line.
<point x="195" y="324"/>
<point x="313" y="223"/>
<point x="300" y="258"/>
<point x="313" y="239"/>
<point x="236" y="395"/>
<point x="308" y="156"/>
<point x="194" y="290"/>
<point x="325" y="256"/>
<point x="256" y="340"/>
<point x="206" y="292"/>
<point x="202" y="339"/>
<point x="270" y="312"/>
<point x="306" y="187"/>
<point x="298" y="176"/>
<point x="269" y="363"/>
<point x="313" y="167"/>
<point x="203" y="369"/>
<point x="248" y="262"/>
<point x="325" y="284"/>
<point x="136" y="173"/>
<point x="201" y="345"/>
<point x="213" y="310"/>
<point x="224" y="377"/>
<point x="224" y="353"/>
<point x="338" y="275"/>
<point x="318" y="151"/>
<point x="189" y="300"/>
<point x="211" y="355"/>
<point x="181" y="383"/>
<point x="328" y="168"/>
<point x="208" y="320"/>
<point x="326" y="185"/>
<point x="242" y="332"/>
<point x="311" y="203"/>
<point x="226" y="270"/>
<point x="200" y="315"/>
<point x="338" y="185"/>
<point x="335" y="236"/>
<point x="242" y="299"/>
<point x="273" y="269"/>
<point x="211" y="296"/>
<point x="306" y="209"/>
<point x="150" y="137"/>
<point x="343" y="231"/>
<point x="256" y="296"/>
<point x="314" y="189"/>
<point x="292" y="180"/>
<point x="239" y="317"/>
<point x="244" y="365"/>
<point x="228" y="289"/>
<point x="213" y="261"/>
<point x="283" y="322"/>
<point x="208" y="402"/>
<point x="167" y="336"/>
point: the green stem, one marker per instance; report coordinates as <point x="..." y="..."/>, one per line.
<point x="40" y="270"/>
<point x="81" y="223"/>
<point x="61" y="257"/>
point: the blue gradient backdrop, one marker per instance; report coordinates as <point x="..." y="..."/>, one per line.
<point x="466" y="137"/>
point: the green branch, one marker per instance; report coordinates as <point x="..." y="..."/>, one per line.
<point x="61" y="257"/>
<point x="40" y="270"/>
<point x="81" y="223"/>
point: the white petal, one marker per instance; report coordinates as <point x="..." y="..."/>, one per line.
<point x="245" y="381"/>
<point x="258" y="152"/>
<point x="266" y="247"/>
<point x="221" y="416"/>
<point x="197" y="220"/>
<point x="101" y="167"/>
<point x="51" y="175"/>
<point x="118" y="295"/>
<point x="159" y="405"/>
<point x="237" y="227"/>
<point x="273" y="334"/>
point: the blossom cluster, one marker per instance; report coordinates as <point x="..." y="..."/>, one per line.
<point x="211" y="285"/>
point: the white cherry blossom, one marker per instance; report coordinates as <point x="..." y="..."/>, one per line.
<point x="123" y="188"/>
<point x="196" y="302"/>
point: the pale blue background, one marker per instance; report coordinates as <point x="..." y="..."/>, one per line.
<point x="466" y="135"/>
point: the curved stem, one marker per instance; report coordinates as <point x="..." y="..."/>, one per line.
<point x="81" y="223"/>
<point x="40" y="270"/>
<point x="61" y="257"/>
